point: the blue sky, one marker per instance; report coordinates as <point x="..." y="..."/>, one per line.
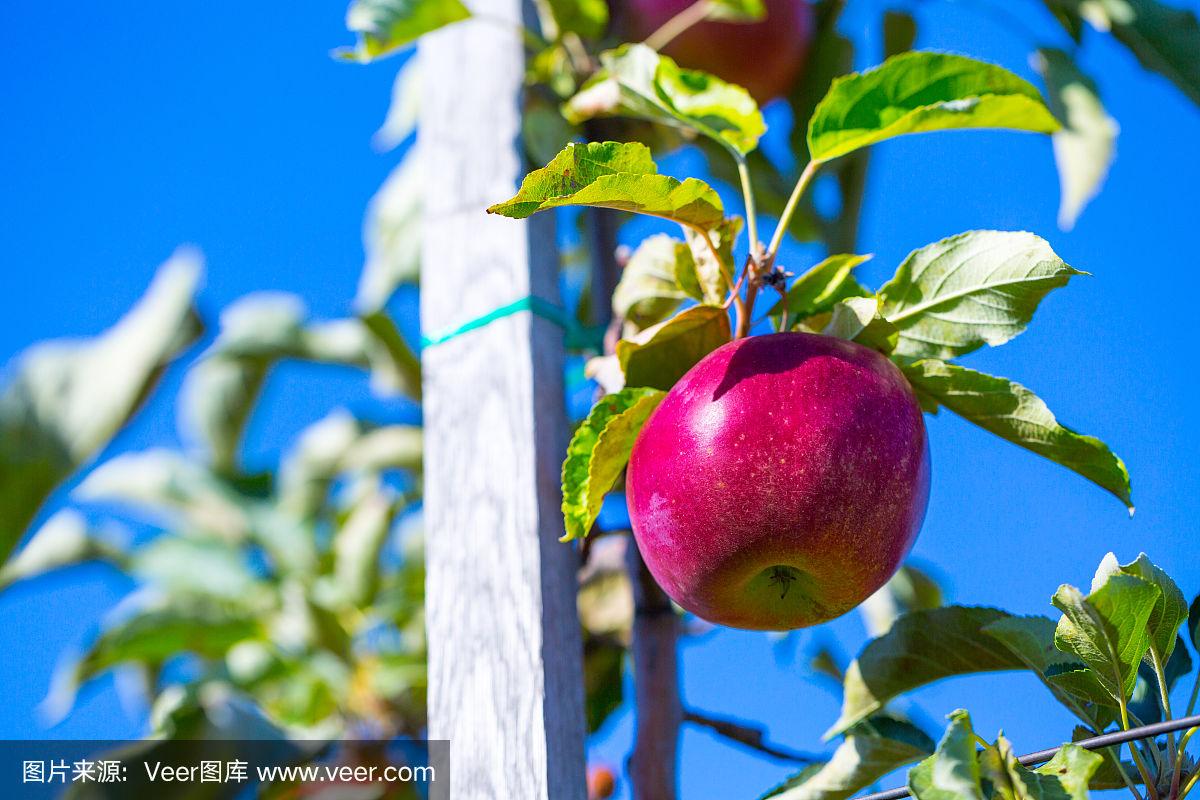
<point x="129" y="128"/>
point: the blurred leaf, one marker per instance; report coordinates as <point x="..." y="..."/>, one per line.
<point x="857" y="319"/>
<point x="598" y="453"/>
<point x="603" y="663"/>
<point x="737" y="10"/>
<point x="899" y="32"/>
<point x="1107" y="629"/>
<point x="1085" y="146"/>
<point x="401" y="120"/>
<point x="392" y="236"/>
<point x="164" y="483"/>
<point x="187" y="568"/>
<point x="635" y="81"/>
<point x="660" y="355"/>
<point x="1165" y="39"/>
<point x="817" y="290"/>
<point x="952" y="772"/>
<point x="980" y="287"/>
<point x="859" y="761"/>
<point x="386" y="26"/>
<point x="394" y="365"/>
<point x="649" y="290"/>
<point x="614" y="175"/>
<point x="910" y="589"/>
<point x="67" y="399"/>
<point x="217" y="399"/>
<point x="1170" y="609"/>
<point x="64" y="540"/>
<point x="830" y="56"/>
<point x="358" y="544"/>
<point x="588" y="18"/>
<point x="916" y="92"/>
<point x="1012" y="412"/>
<point x="336" y="445"/>
<point x="606" y="601"/>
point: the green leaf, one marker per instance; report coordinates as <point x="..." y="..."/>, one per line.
<point x="603" y="666"/>
<point x="818" y="289"/>
<point x="63" y="541"/>
<point x="1012" y="412"/>
<point x="1031" y="640"/>
<point x="1085" y="146"/>
<point x="910" y="589"/>
<point x="386" y="26"/>
<point x="649" y="289"/>
<point x="68" y="399"/>
<point x="1170" y="610"/>
<point x="614" y="175"/>
<point x="1107" y="629"/>
<point x="598" y="453"/>
<point x="1165" y="39"/>
<point x="188" y="568"/>
<point x="660" y="355"/>
<point x="952" y="772"/>
<point x="916" y="92"/>
<point x="737" y="10"/>
<point x="635" y="81"/>
<point x="1073" y="767"/>
<point x="980" y="287"/>
<point x="859" y="761"/>
<point x="921" y="648"/>
<point x="857" y="319"/>
<point x="588" y="18"/>
<point x="391" y="237"/>
<point x="1067" y="779"/>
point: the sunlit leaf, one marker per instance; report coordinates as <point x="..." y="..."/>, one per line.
<point x="952" y="772"/>
<point x="1170" y="610"/>
<point x="598" y="453"/>
<point x="980" y="287"/>
<point x="68" y="398"/>
<point x="1107" y="629"/>
<point x="917" y="92"/>
<point x="817" y="290"/>
<point x="614" y="175"/>
<point x="386" y="26"/>
<point x="588" y="18"/>
<point x="1012" y="412"/>
<point x="638" y="82"/>
<point x="857" y="319"/>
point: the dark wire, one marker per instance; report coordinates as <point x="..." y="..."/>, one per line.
<point x="1094" y="743"/>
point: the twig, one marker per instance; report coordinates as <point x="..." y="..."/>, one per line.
<point x="1093" y="743"/>
<point x="747" y="735"/>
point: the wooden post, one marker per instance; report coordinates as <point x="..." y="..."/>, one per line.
<point x="505" y="676"/>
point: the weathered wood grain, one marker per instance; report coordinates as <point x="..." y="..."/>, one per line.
<point x="504" y="651"/>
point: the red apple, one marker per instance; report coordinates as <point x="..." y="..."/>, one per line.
<point x="764" y="57"/>
<point x="780" y="482"/>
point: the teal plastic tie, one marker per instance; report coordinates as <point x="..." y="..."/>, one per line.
<point x="575" y="335"/>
